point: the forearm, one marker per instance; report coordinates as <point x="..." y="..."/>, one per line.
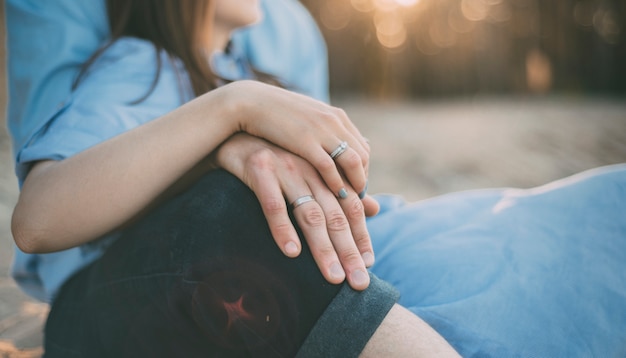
<point x="67" y="203"/>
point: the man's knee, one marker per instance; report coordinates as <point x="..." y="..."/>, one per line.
<point x="403" y="334"/>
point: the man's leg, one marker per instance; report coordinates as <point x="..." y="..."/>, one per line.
<point x="201" y="275"/>
<point x="403" y="334"/>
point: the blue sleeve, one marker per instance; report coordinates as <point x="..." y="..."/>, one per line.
<point x="47" y="42"/>
<point x="102" y="107"/>
<point x="288" y="44"/>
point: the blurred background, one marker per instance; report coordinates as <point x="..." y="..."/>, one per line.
<point x="436" y="48"/>
<point x="453" y="95"/>
<point x="467" y="94"/>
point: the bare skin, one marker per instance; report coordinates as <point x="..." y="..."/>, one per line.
<point x="404" y="335"/>
<point x="70" y="202"/>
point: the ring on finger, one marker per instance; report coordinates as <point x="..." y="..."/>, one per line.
<point x="301" y="200"/>
<point x="339" y="150"/>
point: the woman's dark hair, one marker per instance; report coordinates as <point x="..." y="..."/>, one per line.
<point x="171" y="25"/>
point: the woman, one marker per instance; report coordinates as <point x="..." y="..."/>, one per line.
<point x="104" y="176"/>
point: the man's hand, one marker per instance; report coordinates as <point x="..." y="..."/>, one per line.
<point x="334" y="228"/>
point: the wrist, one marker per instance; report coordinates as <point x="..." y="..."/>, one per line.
<point x="233" y="100"/>
<point x="231" y="154"/>
<point x="220" y="108"/>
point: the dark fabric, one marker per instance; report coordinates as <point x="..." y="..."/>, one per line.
<point x="199" y="276"/>
<point x="349" y="321"/>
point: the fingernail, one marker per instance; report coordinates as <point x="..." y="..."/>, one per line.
<point x="336" y="271"/>
<point x="368" y="259"/>
<point x="291" y="248"/>
<point x="343" y="193"/>
<point x="362" y="194"/>
<point x="360" y="278"/>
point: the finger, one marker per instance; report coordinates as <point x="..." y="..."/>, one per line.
<point x="267" y="188"/>
<point x="352" y="167"/>
<point x="328" y="170"/>
<point x="371" y="206"/>
<point x="355" y="214"/>
<point x="309" y="215"/>
<point x="338" y="228"/>
<point x="361" y="145"/>
<point x="358" y="142"/>
<point x="345" y="149"/>
<point x="367" y="166"/>
<point x="311" y="219"/>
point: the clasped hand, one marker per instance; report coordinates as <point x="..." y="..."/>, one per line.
<point x="289" y="158"/>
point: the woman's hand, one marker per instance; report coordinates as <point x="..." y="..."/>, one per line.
<point x="334" y="229"/>
<point x="69" y="202"/>
<point x="304" y="126"/>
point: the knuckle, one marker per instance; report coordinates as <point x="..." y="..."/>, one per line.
<point x="273" y="206"/>
<point x="355" y="209"/>
<point x="336" y="221"/>
<point x="350" y="257"/>
<point x="353" y="159"/>
<point x="325" y="164"/>
<point x="340" y="112"/>
<point x="262" y="159"/>
<point x="313" y="217"/>
<point x="365" y="157"/>
<point x="368" y="147"/>
<point x="362" y="240"/>
<point x="330" y="116"/>
<point x="281" y="230"/>
<point x="326" y="250"/>
<point x="288" y="162"/>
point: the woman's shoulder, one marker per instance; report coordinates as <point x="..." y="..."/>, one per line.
<point x="128" y="69"/>
<point x="133" y="53"/>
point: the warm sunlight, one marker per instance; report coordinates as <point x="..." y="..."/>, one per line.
<point x="407" y="3"/>
<point x="388" y="5"/>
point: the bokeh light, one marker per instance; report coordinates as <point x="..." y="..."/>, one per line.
<point x="605" y="23"/>
<point x="442" y="34"/>
<point x="335" y="15"/>
<point x="458" y="22"/>
<point x="474" y="10"/>
<point x="363" y="5"/>
<point x="459" y="46"/>
<point x="390" y="29"/>
<point x="385" y="5"/>
<point x="407" y="3"/>
<point x="538" y="71"/>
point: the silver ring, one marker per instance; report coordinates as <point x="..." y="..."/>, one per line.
<point x="339" y="150"/>
<point x="301" y="200"/>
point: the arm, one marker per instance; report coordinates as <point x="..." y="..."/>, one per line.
<point x="70" y="202"/>
<point x="67" y="203"/>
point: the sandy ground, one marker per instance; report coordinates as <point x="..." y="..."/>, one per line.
<point x="419" y="150"/>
